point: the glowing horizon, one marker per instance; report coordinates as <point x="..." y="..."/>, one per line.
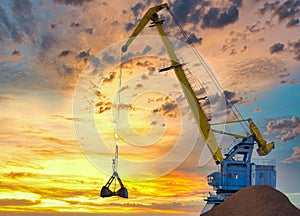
<point x="59" y="67"/>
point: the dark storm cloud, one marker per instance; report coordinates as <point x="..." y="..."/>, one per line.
<point x="215" y="18"/>
<point x="74" y="3"/>
<point x="211" y="17"/>
<point x="229" y="95"/>
<point x="257" y="27"/>
<point x="128" y="56"/>
<point x="115" y="23"/>
<point x="144" y="64"/>
<point x="295" y="47"/>
<point x="64" y="53"/>
<point x="293" y="22"/>
<point x="75" y="24"/>
<point x="89" y="30"/>
<point x="288" y="10"/>
<point x="80" y="26"/>
<point x="84" y="55"/>
<point x="193" y="11"/>
<point x="107" y="58"/>
<point x="137" y="9"/>
<point x="194" y="39"/>
<point x="95" y="64"/>
<point x="168" y="108"/>
<point x="16" y="53"/>
<point x="182" y="8"/>
<point x="269" y="7"/>
<point x="195" y="15"/>
<point x="129" y="26"/>
<point x="277" y="47"/>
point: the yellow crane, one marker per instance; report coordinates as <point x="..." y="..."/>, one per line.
<point x="237" y="170"/>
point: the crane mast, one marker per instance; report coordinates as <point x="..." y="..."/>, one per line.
<point x="198" y="113"/>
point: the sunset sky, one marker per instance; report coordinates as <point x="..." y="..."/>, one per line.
<point x="59" y="68"/>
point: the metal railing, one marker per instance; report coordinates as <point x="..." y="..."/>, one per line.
<point x="265" y="162"/>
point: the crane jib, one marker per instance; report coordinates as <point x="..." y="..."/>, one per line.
<point x="198" y="113"/>
<point x="203" y="125"/>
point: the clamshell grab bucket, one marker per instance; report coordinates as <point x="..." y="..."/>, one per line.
<point x="106" y="192"/>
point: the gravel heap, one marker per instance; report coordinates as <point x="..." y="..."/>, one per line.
<point x="259" y="200"/>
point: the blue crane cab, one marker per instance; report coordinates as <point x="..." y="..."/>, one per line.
<point x="237" y="171"/>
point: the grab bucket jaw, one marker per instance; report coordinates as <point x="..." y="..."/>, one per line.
<point x="106" y="192"/>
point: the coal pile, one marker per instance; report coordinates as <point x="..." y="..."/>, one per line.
<point x="260" y="200"/>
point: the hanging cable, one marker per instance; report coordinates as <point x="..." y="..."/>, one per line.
<point x="105" y="191"/>
<point x="117" y="121"/>
<point x="235" y="112"/>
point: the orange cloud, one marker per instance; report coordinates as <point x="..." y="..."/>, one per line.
<point x="18" y="202"/>
<point x="64" y="117"/>
<point x="257" y="110"/>
<point x="295" y="157"/>
<point x="16" y="175"/>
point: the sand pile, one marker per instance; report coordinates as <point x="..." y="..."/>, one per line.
<point x="257" y="200"/>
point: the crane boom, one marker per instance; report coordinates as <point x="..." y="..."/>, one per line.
<point x="198" y="113"/>
<point x="146" y="18"/>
